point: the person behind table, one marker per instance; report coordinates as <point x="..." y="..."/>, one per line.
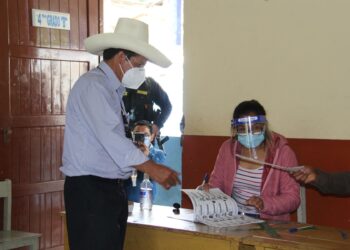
<point x="140" y="104"/>
<point x="327" y="183"/>
<point x="260" y="191"/>
<point x="144" y="128"/>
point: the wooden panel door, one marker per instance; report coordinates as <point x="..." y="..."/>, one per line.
<point x="38" y="68"/>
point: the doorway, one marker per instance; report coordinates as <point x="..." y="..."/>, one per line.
<point x="164" y="18"/>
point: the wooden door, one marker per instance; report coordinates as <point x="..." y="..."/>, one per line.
<point x="38" y="68"/>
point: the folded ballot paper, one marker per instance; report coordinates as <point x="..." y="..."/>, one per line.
<point x="214" y="208"/>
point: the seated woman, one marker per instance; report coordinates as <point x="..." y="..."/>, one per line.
<point x="259" y="190"/>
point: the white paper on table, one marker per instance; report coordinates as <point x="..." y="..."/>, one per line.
<point x="215" y="208"/>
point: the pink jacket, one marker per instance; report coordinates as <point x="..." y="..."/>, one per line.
<point x="279" y="191"/>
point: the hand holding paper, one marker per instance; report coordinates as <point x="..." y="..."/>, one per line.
<point x="306" y="175"/>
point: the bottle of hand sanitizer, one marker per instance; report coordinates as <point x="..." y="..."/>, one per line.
<point x="146" y="198"/>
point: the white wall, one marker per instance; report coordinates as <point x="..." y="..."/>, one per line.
<point x="162" y="21"/>
<point x="291" y="55"/>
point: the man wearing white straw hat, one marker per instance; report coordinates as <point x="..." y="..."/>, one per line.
<point x="97" y="156"/>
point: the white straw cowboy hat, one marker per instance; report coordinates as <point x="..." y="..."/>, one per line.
<point x="129" y="34"/>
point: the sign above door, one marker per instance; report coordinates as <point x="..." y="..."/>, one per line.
<point x="50" y="19"/>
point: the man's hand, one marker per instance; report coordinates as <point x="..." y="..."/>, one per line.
<point x="160" y="173"/>
<point x="305" y="175"/>
<point x="255" y="201"/>
<point x="143" y="148"/>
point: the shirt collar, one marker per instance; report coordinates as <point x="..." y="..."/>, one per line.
<point x="113" y="82"/>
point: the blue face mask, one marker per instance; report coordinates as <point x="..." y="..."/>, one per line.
<point x="251" y="140"/>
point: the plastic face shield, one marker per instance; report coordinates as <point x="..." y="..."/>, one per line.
<point x="247" y="130"/>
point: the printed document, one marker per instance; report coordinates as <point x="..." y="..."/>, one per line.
<point x="215" y="208"/>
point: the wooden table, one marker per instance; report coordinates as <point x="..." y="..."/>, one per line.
<point x="319" y="238"/>
<point x="154" y="230"/>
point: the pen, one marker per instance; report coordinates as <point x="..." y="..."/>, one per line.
<point x="343" y="234"/>
<point x="269" y="230"/>
<point x="205" y="179"/>
<point x="296" y="229"/>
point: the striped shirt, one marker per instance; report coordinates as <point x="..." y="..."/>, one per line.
<point x="247" y="183"/>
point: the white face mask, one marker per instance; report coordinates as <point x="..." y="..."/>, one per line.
<point x="134" y="77"/>
<point x="147" y="141"/>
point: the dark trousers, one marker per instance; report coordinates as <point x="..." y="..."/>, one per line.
<point x="96" y="212"/>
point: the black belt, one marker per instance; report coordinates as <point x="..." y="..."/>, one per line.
<point x="99" y="179"/>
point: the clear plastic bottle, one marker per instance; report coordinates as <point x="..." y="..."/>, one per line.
<point x="146" y="198"/>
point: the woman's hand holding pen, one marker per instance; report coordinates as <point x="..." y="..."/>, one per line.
<point x="205" y="185"/>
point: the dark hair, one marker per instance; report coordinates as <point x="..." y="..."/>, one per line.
<point x="247" y="107"/>
<point x="143" y="123"/>
<point x="109" y="53"/>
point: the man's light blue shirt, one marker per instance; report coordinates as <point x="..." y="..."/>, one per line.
<point x="94" y="139"/>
